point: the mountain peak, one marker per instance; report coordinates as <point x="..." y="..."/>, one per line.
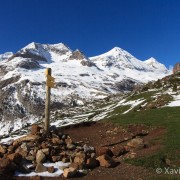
<point x="151" y="60"/>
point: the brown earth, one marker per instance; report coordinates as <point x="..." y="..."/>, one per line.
<point x="115" y="137"/>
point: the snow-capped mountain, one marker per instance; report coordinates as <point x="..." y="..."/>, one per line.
<point x="5" y="56"/>
<point x="121" y="59"/>
<point x="78" y="79"/>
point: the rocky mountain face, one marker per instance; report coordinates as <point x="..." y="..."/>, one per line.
<point x="78" y="80"/>
<point x="176" y="68"/>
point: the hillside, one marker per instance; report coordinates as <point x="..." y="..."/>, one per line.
<point x="139" y="129"/>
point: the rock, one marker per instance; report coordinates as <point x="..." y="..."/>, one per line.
<point x="7" y="166"/>
<point x="168" y="162"/>
<point x="35" y="129"/>
<point x="65" y="159"/>
<point x="40" y="168"/>
<point x="106" y="161"/>
<point x="44" y="145"/>
<point x="62" y="167"/>
<point x="46" y="151"/>
<point x="23" y="168"/>
<point x="24" y="147"/>
<point x="136" y="143"/>
<point x="103" y="150"/>
<point x="20" y="151"/>
<point x="92" y="163"/>
<point x="68" y="140"/>
<point x="15" y="157"/>
<point x="84" y="172"/>
<point x="119" y="150"/>
<point x="51" y="169"/>
<point x="56" y="158"/>
<point x="56" y="140"/>
<point x="64" y="136"/>
<point x="29" y="137"/>
<point x="176" y="68"/>
<point x="74" y="165"/>
<point x="93" y="155"/>
<point x="70" y="172"/>
<point x="30" y="158"/>
<point x="71" y="146"/>
<point x="88" y="149"/>
<point x="131" y="155"/>
<point x="11" y="149"/>
<point x="40" y="157"/>
<point x="3" y="149"/>
<point x="80" y="158"/>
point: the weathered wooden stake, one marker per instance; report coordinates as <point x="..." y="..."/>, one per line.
<point x="47" y="104"/>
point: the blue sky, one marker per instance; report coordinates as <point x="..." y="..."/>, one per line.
<point x="144" y="28"/>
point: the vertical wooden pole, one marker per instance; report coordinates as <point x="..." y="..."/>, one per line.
<point x="47" y="104"/>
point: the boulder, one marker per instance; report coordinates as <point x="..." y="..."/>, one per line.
<point x="35" y="129"/>
<point x="71" y="146"/>
<point x="30" y="158"/>
<point x="15" y="157"/>
<point x="11" y="149"/>
<point x="80" y="158"/>
<point x="56" y="158"/>
<point x="119" y="150"/>
<point x="92" y="163"/>
<point x="23" y="168"/>
<point x="40" y="156"/>
<point x="29" y="137"/>
<point x="70" y="172"/>
<point x="56" y="140"/>
<point x="136" y="143"/>
<point x="20" y="151"/>
<point x="74" y="165"/>
<point x="51" y="169"/>
<point x="7" y="166"/>
<point x="63" y="167"/>
<point x="65" y="159"/>
<point x="24" y="147"/>
<point x="88" y="149"/>
<point x="46" y="151"/>
<point x="106" y="161"/>
<point x="103" y="150"/>
<point x="40" y="168"/>
<point x="68" y="140"/>
<point x="3" y="149"/>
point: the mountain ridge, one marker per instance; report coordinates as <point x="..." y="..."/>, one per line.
<point x="78" y="79"/>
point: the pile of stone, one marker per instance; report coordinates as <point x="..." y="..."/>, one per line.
<point x="39" y="147"/>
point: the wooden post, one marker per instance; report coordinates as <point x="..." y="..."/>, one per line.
<point x="47" y="104"/>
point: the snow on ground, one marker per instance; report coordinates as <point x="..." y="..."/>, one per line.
<point x="133" y="104"/>
<point x="57" y="172"/>
<point x="10" y="139"/>
<point x="176" y="101"/>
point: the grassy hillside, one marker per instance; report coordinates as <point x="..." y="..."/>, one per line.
<point x="154" y="112"/>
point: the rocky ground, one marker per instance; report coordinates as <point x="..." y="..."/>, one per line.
<point x="92" y="151"/>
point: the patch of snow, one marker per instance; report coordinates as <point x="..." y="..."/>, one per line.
<point x="57" y="172"/>
<point x="175" y="102"/>
<point x="133" y="104"/>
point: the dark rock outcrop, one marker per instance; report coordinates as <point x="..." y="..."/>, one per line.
<point x="176" y="68"/>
